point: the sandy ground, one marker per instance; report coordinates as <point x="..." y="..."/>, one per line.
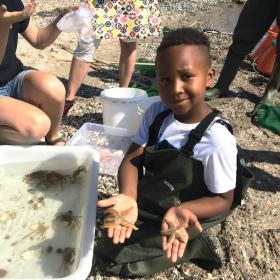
<point x="249" y="240"/>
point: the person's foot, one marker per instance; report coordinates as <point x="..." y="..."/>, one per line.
<point x="212" y="93"/>
<point x="67" y="106"/>
<point x="269" y="97"/>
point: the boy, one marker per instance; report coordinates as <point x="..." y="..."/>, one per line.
<point x="181" y="169"/>
<point x="31" y="101"/>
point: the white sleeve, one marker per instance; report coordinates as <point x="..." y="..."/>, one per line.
<point x="220" y="168"/>
<point x="142" y="136"/>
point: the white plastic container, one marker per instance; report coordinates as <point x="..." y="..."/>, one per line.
<point x="81" y="197"/>
<point x="121" y="107"/>
<point x="111" y="143"/>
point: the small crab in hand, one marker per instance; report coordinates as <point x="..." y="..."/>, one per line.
<point x="68" y="217"/>
<point x="173" y="232"/>
<point x="114" y="219"/>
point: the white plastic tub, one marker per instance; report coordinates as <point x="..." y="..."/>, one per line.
<point x="111" y="143"/>
<point x="19" y="260"/>
<point x="120" y="107"/>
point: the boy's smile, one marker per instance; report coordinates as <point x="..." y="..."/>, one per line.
<point x="182" y="76"/>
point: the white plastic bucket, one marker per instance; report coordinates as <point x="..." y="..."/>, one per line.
<point x="120" y="107"/>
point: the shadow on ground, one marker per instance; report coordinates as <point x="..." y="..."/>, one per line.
<point x="264" y="181"/>
<point x="85" y="91"/>
<point x="78" y="121"/>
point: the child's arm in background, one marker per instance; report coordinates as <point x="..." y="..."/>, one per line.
<point x="7" y="19"/>
<point x="41" y="38"/>
<point x="125" y="202"/>
<point x="188" y="214"/>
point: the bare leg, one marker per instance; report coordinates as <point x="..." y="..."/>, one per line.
<point x="21" y="123"/>
<point x="78" y="71"/>
<point x="47" y="93"/>
<point x="127" y="62"/>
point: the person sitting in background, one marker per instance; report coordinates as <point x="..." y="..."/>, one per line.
<point x="127" y="20"/>
<point x="31" y="101"/>
<point x="179" y="174"/>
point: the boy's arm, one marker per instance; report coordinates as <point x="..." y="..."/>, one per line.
<point x="41" y="38"/>
<point x="187" y="214"/>
<point x="128" y="170"/>
<point x="208" y="207"/>
<point x="7" y="19"/>
<point x="125" y="202"/>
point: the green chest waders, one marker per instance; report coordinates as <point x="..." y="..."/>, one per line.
<point x="169" y="177"/>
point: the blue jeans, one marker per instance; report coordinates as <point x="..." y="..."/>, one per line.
<point x="13" y="88"/>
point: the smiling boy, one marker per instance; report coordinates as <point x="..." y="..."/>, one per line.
<point x="179" y="173"/>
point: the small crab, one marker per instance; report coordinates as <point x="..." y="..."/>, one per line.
<point x="174" y="232"/>
<point x="38" y="230"/>
<point x="114" y="219"/>
<point x="68" y="217"/>
<point x="49" y="179"/>
<point x="44" y="178"/>
<point x="68" y="258"/>
<point x="77" y="172"/>
<point x="3" y="273"/>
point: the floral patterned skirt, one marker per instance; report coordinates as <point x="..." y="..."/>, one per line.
<point x="125" y="18"/>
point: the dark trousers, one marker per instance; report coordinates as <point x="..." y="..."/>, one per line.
<point x="254" y="21"/>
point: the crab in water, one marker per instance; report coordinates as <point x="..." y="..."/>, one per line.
<point x="68" y="258"/>
<point x="38" y="230"/>
<point x="68" y="217"/>
<point x="114" y="219"/>
<point x="45" y="179"/>
<point x="48" y="179"/>
<point x="77" y="172"/>
<point x="174" y="232"/>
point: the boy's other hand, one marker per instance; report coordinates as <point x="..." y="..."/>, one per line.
<point x="174" y="231"/>
<point x="9" y="18"/>
<point x="126" y="206"/>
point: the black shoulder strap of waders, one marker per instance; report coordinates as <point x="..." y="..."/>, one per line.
<point x="197" y="133"/>
<point x="155" y="127"/>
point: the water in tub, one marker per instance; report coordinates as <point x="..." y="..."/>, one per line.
<point x="41" y="220"/>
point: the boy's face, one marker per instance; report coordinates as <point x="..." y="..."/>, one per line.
<point x="182" y="77"/>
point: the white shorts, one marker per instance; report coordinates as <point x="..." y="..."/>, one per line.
<point x="128" y="40"/>
<point x="84" y="51"/>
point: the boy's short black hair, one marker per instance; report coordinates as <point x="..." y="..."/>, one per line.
<point x="186" y="36"/>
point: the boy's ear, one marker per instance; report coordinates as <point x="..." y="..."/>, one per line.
<point x="210" y="77"/>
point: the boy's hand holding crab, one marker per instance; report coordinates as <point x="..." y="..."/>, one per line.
<point x="174" y="233"/>
<point x="9" y="18"/>
<point x="121" y="214"/>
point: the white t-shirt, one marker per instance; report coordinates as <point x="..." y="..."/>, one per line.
<point x="217" y="149"/>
